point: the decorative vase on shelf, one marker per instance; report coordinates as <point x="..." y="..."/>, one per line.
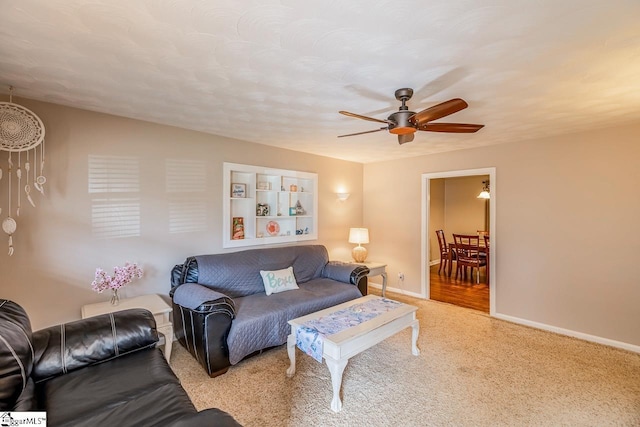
<point x="115" y="298"/>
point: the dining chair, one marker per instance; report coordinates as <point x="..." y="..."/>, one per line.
<point x="467" y="249"/>
<point x="482" y="234"/>
<point x="446" y="255"/>
<point x="486" y="251"/>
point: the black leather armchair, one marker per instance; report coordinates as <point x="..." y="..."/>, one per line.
<point x="100" y="371"/>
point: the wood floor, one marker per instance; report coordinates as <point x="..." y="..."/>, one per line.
<point x="464" y="293"/>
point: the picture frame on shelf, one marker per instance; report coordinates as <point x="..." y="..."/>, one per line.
<point x="237" y="228"/>
<point x="238" y="191"/>
<point x="262" y="209"/>
<point x="292" y="211"/>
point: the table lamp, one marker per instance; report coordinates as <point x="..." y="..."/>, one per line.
<point x="359" y="236"/>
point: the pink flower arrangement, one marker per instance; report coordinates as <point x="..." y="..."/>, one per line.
<point x="121" y="276"/>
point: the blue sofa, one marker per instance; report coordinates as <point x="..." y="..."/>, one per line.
<point x="222" y="314"/>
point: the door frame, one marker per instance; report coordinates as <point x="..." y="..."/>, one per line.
<point x="426" y="201"/>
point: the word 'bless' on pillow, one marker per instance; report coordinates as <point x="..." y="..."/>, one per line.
<point x="278" y="280"/>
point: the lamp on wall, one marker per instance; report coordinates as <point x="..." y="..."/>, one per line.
<point x="343" y="196"/>
<point x="484" y="194"/>
<point x="359" y="236"/>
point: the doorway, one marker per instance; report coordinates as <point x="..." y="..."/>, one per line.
<point x="427" y="249"/>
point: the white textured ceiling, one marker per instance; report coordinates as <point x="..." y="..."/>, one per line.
<point x="277" y="72"/>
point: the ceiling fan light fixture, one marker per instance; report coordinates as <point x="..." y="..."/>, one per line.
<point x="402" y="130"/>
<point x="400" y="124"/>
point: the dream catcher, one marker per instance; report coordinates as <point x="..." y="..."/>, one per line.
<point x="22" y="135"/>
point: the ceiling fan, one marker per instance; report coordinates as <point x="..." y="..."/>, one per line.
<point x="405" y="123"/>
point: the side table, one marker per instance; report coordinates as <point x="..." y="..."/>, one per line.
<point x="375" y="269"/>
<point x="154" y="303"/>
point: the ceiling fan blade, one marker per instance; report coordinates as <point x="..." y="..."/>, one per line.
<point x="439" y="84"/>
<point x="438" y="111"/>
<point x="450" y="127"/>
<point x="361" y="90"/>
<point x="358" y="116"/>
<point x="362" y="133"/>
<point x="403" y="139"/>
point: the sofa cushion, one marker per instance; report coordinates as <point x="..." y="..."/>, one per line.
<point x="16" y="353"/>
<point x="261" y="320"/>
<point x="132" y="390"/>
<point x="237" y="274"/>
<point x="278" y="281"/>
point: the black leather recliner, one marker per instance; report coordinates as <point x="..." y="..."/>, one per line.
<point x="99" y="371"/>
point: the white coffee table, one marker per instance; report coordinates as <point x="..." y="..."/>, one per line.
<point x="152" y="302"/>
<point x="340" y="347"/>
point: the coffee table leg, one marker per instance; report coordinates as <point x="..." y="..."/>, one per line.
<point x="291" y="350"/>
<point x="336" y="368"/>
<point x="415" y="326"/>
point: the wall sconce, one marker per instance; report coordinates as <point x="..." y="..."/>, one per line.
<point x="359" y="236"/>
<point x="484" y="194"/>
<point x="343" y="196"/>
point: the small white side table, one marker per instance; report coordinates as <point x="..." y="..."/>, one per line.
<point x="154" y="303"/>
<point x="375" y="269"/>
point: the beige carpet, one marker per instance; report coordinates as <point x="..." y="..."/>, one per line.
<point x="472" y="371"/>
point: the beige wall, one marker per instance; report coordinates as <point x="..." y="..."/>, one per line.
<point x="560" y="201"/>
<point x="56" y="252"/>
<point x="464" y="212"/>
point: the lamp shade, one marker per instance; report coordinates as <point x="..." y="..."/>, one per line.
<point x="359" y="235"/>
<point x="484" y="194"/>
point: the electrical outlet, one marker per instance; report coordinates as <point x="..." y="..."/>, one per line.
<point x="401" y="276"/>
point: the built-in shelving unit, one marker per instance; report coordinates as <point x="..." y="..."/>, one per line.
<point x="276" y="205"/>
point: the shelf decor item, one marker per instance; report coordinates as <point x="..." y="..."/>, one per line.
<point x="273" y="228"/>
<point x="121" y="277"/>
<point x="237" y="229"/>
<point x="359" y="236"/>
<point x="262" y="209"/>
<point x="238" y="190"/>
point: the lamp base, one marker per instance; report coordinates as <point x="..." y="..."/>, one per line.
<point x="359" y="253"/>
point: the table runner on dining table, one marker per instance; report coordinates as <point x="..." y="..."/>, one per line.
<point x="310" y="335"/>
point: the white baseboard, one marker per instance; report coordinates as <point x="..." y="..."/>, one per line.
<point x="570" y="333"/>
<point x="434" y="262"/>
<point x="543" y="326"/>
<point x="396" y="290"/>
